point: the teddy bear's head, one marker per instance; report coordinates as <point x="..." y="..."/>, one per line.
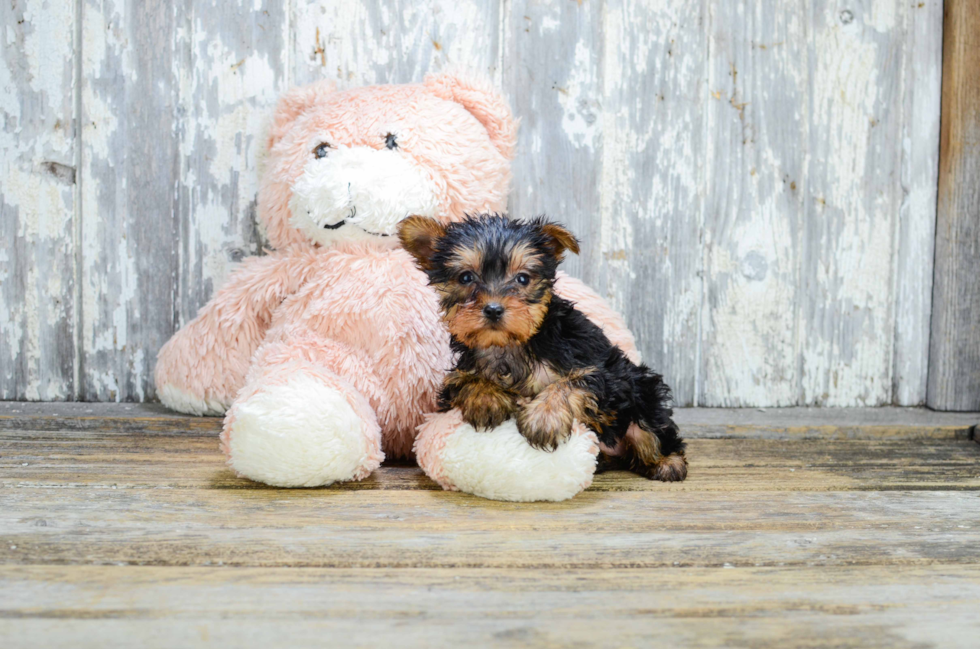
<point x="347" y="166"/>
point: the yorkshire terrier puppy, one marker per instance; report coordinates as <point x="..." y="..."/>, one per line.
<point x="526" y="353"/>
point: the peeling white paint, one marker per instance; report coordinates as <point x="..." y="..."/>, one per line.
<point x="363" y="43"/>
<point x="763" y="216"/>
<point x="581" y="110"/>
<point x="38" y="199"/>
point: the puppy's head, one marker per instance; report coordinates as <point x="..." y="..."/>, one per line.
<point x="493" y="275"/>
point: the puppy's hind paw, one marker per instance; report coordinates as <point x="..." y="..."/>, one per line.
<point x="671" y="468"/>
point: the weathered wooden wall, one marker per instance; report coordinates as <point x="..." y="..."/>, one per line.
<point x="755" y="180"/>
<point x="954" y="369"/>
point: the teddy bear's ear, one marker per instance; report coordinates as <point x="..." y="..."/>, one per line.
<point x="294" y="103"/>
<point x="479" y="97"/>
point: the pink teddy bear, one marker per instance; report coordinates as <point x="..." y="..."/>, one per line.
<point x="325" y="356"/>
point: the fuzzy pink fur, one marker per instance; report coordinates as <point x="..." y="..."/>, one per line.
<point x="209" y="357"/>
<point x="452" y="146"/>
<point x="356" y="318"/>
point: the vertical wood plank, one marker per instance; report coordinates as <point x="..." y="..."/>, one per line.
<point x="230" y="68"/>
<point x="366" y="42"/>
<point x="756" y="161"/>
<point x="645" y="240"/>
<point x="552" y="67"/>
<point x="917" y="216"/>
<point x="818" y="294"/>
<point x="129" y="176"/>
<point x="852" y="201"/>
<point x="38" y="194"/>
<point x="954" y="356"/>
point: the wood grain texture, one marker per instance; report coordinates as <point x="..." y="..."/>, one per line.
<point x="866" y="606"/>
<point x="754" y="218"/>
<point x="552" y="70"/>
<point x="38" y="200"/>
<point x="167" y="460"/>
<point x="915" y="247"/>
<point x="646" y="239"/>
<point x="231" y="65"/>
<point x="135" y="533"/>
<point x="129" y="171"/>
<point x="754" y="181"/>
<point x="886" y="423"/>
<point x="954" y="380"/>
<point x="854" y="117"/>
<point x="367" y="42"/>
<point x="433" y="529"/>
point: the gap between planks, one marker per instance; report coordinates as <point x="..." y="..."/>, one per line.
<point x="762" y="423"/>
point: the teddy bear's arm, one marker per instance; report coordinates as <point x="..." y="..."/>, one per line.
<point x="203" y="365"/>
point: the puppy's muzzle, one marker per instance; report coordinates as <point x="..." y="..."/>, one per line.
<point x="493" y="312"/>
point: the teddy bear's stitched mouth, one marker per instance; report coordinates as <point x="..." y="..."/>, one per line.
<point x="340" y="223"/>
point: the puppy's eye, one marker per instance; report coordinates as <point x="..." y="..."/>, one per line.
<point x="391" y="141"/>
<point x="466" y="278"/>
<point x="321" y="150"/>
<point x="523" y="279"/>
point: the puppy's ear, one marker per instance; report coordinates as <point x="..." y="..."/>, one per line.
<point x="558" y="239"/>
<point x="419" y="235"/>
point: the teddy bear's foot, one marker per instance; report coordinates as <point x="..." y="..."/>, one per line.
<point x="500" y="464"/>
<point x="302" y="427"/>
<point x="184" y="401"/>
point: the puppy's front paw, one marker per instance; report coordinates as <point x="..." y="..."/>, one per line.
<point x="485" y="406"/>
<point x="545" y="423"/>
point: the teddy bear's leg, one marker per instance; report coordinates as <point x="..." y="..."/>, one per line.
<point x="304" y="417"/>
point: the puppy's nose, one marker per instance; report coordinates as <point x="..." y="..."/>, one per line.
<point x="493" y="311"/>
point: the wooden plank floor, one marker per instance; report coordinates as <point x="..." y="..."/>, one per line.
<point x="120" y="526"/>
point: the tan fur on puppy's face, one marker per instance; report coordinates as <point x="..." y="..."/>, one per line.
<point x="524" y="306"/>
<point x="490" y="261"/>
<point x="520" y="321"/>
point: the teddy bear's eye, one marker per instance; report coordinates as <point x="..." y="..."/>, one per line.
<point x="391" y="141"/>
<point x="321" y="150"/>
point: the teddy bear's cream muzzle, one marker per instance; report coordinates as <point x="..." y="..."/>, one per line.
<point x="359" y="193"/>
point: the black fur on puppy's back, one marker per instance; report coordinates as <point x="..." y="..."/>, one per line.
<point x="568" y="340"/>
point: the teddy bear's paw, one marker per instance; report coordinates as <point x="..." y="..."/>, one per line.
<point x="500" y="464"/>
<point x="191" y="404"/>
<point x="310" y="430"/>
